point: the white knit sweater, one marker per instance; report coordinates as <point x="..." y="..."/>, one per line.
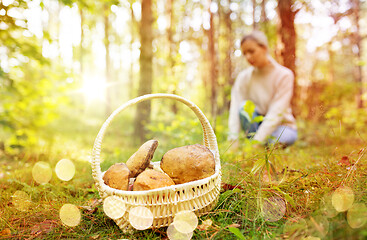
<point x="271" y="89"/>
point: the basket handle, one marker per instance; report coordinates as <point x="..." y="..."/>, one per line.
<point x="210" y="139"/>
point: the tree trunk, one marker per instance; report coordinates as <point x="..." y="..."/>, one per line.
<point x="142" y="117"/>
<point x="357" y="49"/>
<point x="133" y="24"/>
<point x="108" y="64"/>
<point x="213" y="67"/>
<point x="331" y="53"/>
<point x="81" y="56"/>
<point x="254" y="24"/>
<point x="229" y="80"/>
<point x="264" y="18"/>
<point x="287" y="35"/>
<point x="171" y="52"/>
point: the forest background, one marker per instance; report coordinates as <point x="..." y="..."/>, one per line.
<point x="66" y="65"/>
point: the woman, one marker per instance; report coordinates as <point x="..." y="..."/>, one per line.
<point x="270" y="87"/>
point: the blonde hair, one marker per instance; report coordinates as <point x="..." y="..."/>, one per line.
<point x="257" y="36"/>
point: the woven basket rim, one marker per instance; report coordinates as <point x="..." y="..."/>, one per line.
<point x="209" y="141"/>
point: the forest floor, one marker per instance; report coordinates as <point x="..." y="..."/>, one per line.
<point x="315" y="188"/>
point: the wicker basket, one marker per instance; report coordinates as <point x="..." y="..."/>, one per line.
<point x="198" y="196"/>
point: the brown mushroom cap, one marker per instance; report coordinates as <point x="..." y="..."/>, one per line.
<point x="117" y="176"/>
<point x="152" y="179"/>
<point x="188" y="163"/>
<point x="140" y="160"/>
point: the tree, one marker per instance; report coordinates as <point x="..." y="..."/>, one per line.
<point x="357" y="49"/>
<point x="213" y="65"/>
<point x="107" y="11"/>
<point x="143" y="109"/>
<point x="30" y="89"/>
<point x="287" y="37"/>
<point x="229" y="80"/>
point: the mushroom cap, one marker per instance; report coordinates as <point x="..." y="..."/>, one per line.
<point x="188" y="163"/>
<point x="152" y="179"/>
<point x="117" y="176"/>
<point x="140" y="160"/>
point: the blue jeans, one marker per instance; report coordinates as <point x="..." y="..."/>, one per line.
<point x="283" y="134"/>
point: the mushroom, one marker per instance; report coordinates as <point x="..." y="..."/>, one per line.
<point x="140" y="160"/>
<point x="152" y="179"/>
<point x="117" y="176"/>
<point x="188" y="163"/>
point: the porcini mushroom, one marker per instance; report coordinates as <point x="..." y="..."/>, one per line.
<point x="188" y="163"/>
<point x="152" y="179"/>
<point x="140" y="160"/>
<point x="117" y="176"/>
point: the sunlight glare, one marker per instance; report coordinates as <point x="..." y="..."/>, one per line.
<point x="94" y="88"/>
<point x="140" y="218"/>
<point x="21" y="200"/>
<point x="206" y="20"/>
<point x="185" y="51"/>
<point x="7" y="2"/>
<point x="357" y="215"/>
<point x="213" y="7"/>
<point x="65" y="169"/>
<point x="273" y="208"/>
<point x="70" y="215"/>
<point x="137" y="10"/>
<point x="342" y="199"/>
<point x="174" y="234"/>
<point x="185" y="221"/>
<point x="42" y="172"/>
<point x="233" y="6"/>
<point x="162" y="23"/>
<point x="114" y="207"/>
<point x="196" y="19"/>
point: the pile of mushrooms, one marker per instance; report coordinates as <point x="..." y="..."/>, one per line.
<point x="177" y="166"/>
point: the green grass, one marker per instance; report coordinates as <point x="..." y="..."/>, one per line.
<point x="306" y="172"/>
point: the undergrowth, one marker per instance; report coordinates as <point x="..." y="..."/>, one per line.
<point x="321" y="161"/>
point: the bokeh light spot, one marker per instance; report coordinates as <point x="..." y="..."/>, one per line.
<point x="273" y="208"/>
<point x="185" y="221"/>
<point x="326" y="207"/>
<point x="65" y="169"/>
<point x="42" y="172"/>
<point x="114" y="207"/>
<point x="140" y="218"/>
<point x="357" y="215"/>
<point x="21" y="200"/>
<point x="174" y="234"/>
<point x="342" y="199"/>
<point x="318" y="226"/>
<point x="295" y="228"/>
<point x="70" y="215"/>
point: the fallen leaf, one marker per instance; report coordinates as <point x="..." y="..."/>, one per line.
<point x="226" y="186"/>
<point x="344" y="161"/>
<point x="5" y="232"/>
<point x="234" y="225"/>
<point x="94" y="237"/>
<point x="205" y="225"/>
<point x="44" y="227"/>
